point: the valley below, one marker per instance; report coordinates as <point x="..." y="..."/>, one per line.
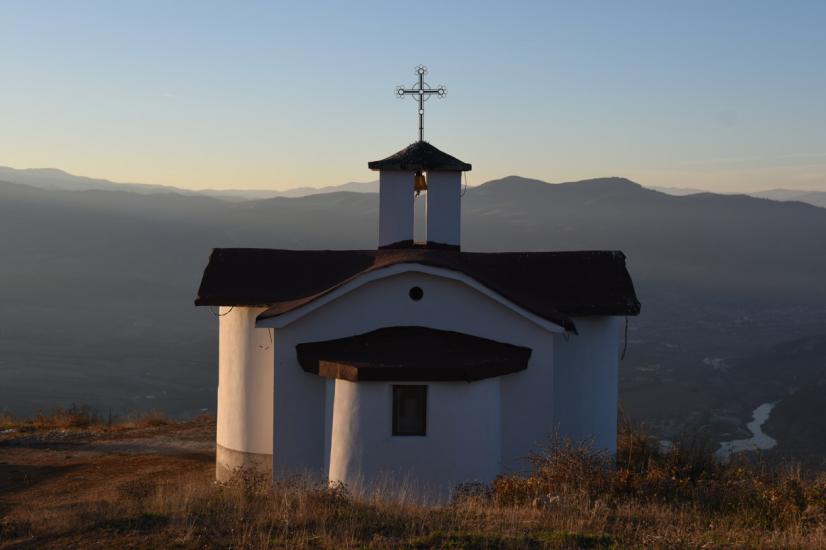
<point x="98" y="287"/>
<point x="705" y="375"/>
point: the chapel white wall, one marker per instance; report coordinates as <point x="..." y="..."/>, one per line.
<point x="245" y="381"/>
<point x="444" y="216"/>
<point x="586" y="382"/>
<point x="463" y="441"/>
<point x="299" y="404"/>
<point x="301" y="436"/>
<point x="395" y="206"/>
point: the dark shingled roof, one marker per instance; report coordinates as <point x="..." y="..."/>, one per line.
<point x="411" y="354"/>
<point x="420" y="156"/>
<point x="552" y="285"/>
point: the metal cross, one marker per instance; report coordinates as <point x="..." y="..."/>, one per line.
<point x="421" y="92"/>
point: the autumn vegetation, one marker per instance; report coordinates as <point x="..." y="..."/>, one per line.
<point x="80" y="417"/>
<point x="573" y="497"/>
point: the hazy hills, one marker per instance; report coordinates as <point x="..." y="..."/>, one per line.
<point x="98" y="284"/>
<point x="815" y="198"/>
<point x="735" y="242"/>
<point x="58" y="180"/>
<point x="54" y="179"/>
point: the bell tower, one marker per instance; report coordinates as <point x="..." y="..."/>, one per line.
<point x="441" y="175"/>
<point x="418" y="168"/>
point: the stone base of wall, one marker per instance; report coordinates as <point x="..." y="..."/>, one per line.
<point x="229" y="462"/>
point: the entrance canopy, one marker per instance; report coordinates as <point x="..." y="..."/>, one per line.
<point x="410" y="353"/>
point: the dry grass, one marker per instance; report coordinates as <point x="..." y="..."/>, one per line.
<point x="643" y="498"/>
<point x="81" y="418"/>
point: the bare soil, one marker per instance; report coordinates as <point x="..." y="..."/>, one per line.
<point x="44" y="473"/>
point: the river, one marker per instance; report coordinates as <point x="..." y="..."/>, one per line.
<point x="759" y="440"/>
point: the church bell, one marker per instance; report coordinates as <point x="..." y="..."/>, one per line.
<point x="419" y="183"/>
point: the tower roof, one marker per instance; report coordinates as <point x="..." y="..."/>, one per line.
<point x="420" y="156"/>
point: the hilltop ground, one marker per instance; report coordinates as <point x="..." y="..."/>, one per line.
<point x="53" y="482"/>
<point x="149" y="484"/>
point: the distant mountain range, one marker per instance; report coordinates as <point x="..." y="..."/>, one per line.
<point x="677" y="191"/>
<point x="97" y="285"/>
<point x="52" y="178"/>
<point x="58" y="180"/>
<point x="816" y="198"/>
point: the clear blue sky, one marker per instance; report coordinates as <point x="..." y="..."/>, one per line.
<point x="724" y="95"/>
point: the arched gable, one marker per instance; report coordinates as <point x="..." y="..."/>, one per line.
<point x="284" y="319"/>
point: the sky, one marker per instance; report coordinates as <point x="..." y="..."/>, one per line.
<point x="724" y="95"/>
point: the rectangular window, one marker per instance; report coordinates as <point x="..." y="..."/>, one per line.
<point x="409" y="410"/>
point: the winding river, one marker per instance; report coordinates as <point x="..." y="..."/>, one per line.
<point x="759" y="440"/>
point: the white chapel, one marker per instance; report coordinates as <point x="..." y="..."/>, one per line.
<point x="414" y="361"/>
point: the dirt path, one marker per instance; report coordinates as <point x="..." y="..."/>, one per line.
<point x="43" y="473"/>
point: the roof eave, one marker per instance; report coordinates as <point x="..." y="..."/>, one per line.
<point x="378" y="165"/>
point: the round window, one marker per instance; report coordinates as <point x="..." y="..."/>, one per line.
<point x="416" y="293"/>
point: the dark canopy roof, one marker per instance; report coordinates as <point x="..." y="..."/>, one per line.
<point x="420" y="156"/>
<point x="411" y="354"/>
<point x="552" y="285"/>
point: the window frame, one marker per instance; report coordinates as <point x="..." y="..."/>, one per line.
<point x="397" y="390"/>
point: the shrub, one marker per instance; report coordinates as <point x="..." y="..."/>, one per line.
<point x="688" y="475"/>
<point x="75" y="416"/>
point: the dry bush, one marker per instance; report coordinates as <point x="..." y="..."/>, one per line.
<point x="683" y="498"/>
<point x="688" y="478"/>
<point x="562" y="467"/>
<point x="6" y="421"/>
<point x="250" y="512"/>
<point x="76" y="416"/>
<point x="72" y="418"/>
<point x="84" y="417"/>
<point x="659" y="500"/>
<point x="151" y="419"/>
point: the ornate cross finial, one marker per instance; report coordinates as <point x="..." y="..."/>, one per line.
<point x="421" y="92"/>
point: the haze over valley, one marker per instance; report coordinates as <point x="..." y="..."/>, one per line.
<point x="99" y="278"/>
<point x="55" y="179"/>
